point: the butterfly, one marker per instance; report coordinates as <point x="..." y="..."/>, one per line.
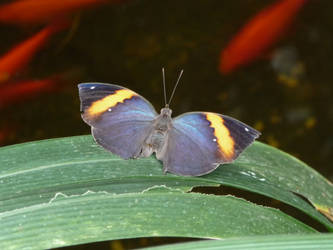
<point x="192" y="144"/>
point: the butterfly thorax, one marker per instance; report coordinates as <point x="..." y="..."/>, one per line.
<point x="155" y="141"/>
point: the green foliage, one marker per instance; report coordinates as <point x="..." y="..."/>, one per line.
<point x="69" y="191"/>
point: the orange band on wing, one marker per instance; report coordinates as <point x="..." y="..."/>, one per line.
<point x="110" y="101"/>
<point x="224" y="140"/>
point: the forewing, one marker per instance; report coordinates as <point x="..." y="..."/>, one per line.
<point x="104" y="104"/>
<point x="198" y="142"/>
<point x="120" y="118"/>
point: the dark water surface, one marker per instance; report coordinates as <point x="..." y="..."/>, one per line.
<point x="128" y="44"/>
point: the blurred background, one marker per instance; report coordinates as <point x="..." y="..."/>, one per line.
<point x="266" y="63"/>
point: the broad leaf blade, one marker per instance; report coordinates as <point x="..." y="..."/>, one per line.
<point x="67" y="220"/>
<point x="76" y="163"/>
<point x="271" y="172"/>
<point x="32" y="173"/>
<point x="71" y="191"/>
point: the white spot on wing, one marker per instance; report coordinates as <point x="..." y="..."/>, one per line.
<point x="246" y="129"/>
<point x="92" y="87"/>
<point x="214" y="139"/>
<point x="109" y="110"/>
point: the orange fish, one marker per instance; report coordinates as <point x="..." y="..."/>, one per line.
<point x="259" y="34"/>
<point x="20" y="91"/>
<point x="25" y="12"/>
<point x="19" y="56"/>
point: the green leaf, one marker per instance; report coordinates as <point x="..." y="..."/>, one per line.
<point x="67" y="220"/>
<point x="70" y="191"/>
<point x="74" y="164"/>
<point x="290" y="242"/>
<point x="33" y="173"/>
<point x="271" y="172"/>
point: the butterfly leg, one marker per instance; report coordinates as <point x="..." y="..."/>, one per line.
<point x="146" y="150"/>
<point x="165" y="170"/>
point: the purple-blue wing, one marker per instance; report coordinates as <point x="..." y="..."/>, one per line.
<point x="120" y="118"/>
<point x="104" y="104"/>
<point x="200" y="141"/>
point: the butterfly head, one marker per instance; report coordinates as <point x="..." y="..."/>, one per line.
<point x="166" y="112"/>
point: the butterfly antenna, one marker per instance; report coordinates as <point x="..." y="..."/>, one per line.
<point x="164" y="88"/>
<point x="174" y="89"/>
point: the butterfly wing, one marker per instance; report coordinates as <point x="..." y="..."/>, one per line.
<point x="120" y="118"/>
<point x="198" y="142"/>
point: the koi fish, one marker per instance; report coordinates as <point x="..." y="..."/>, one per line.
<point x="259" y="34"/>
<point x="20" y="91"/>
<point x="19" y="56"/>
<point x="23" y="12"/>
